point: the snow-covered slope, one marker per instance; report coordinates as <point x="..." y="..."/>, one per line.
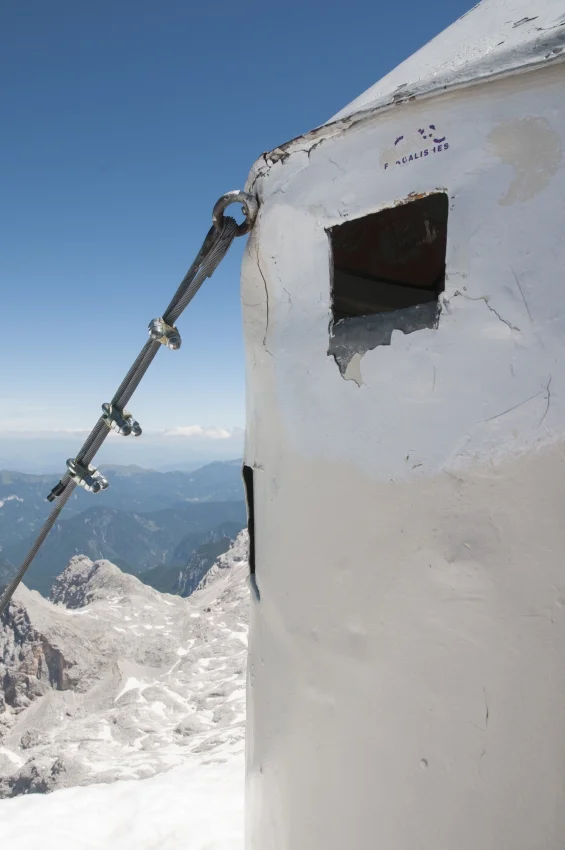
<point x="118" y="681"/>
<point x="195" y="807"/>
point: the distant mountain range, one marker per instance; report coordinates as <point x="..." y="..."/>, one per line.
<point x="151" y="524"/>
<point x="197" y="561"/>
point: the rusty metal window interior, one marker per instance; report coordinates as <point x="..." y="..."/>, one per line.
<point x="388" y="272"/>
<point x="250" y="499"/>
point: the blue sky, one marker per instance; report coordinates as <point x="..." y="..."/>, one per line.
<point x="122" y="123"/>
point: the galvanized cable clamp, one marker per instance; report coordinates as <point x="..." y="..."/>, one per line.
<point x="249" y="206"/>
<point x="166" y="334"/>
<point x="120" y="421"/>
<point x="87" y="476"/>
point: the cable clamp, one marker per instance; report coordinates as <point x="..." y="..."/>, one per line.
<point x="120" y="421"/>
<point x="86" y="476"/>
<point x="166" y="334"/>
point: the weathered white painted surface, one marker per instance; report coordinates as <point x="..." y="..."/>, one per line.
<point x="406" y="683"/>
<point x="496" y="37"/>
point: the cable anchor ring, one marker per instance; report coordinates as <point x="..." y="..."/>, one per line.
<point x="249" y="206"/>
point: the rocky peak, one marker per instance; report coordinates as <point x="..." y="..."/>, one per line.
<point x="235" y="559"/>
<point x="84" y="581"/>
<point x="199" y="563"/>
<point x="70" y="587"/>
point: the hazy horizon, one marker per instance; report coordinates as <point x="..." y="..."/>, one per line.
<point x="152" y="451"/>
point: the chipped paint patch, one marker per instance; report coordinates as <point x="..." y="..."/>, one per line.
<point x="353" y="370"/>
<point x="523" y="21"/>
<point x="351" y="338"/>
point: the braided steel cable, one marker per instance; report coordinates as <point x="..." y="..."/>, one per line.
<point x="39" y="541"/>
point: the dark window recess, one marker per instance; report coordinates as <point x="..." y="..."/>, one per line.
<point x="391" y="259"/>
<point x="388" y="273"/>
<point x="250" y="499"/>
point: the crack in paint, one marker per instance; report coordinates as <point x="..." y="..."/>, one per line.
<point x="497" y="314"/>
<point x="266" y="304"/>
<point x="548" y="399"/>
<point x="337" y="165"/>
<point x="516" y="406"/>
<point x="522" y="294"/>
<point x="485" y="298"/>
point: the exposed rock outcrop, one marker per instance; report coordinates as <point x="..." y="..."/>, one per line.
<point x="199" y="563"/>
<point x="85" y="581"/>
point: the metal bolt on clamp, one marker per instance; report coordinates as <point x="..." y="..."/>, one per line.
<point x="166" y="334"/>
<point x="86" y="476"/>
<point x="120" y="421"/>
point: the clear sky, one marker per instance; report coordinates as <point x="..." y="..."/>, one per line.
<point x="122" y="123"/>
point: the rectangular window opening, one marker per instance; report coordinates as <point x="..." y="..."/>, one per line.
<point x="250" y="499"/>
<point x="390" y="260"/>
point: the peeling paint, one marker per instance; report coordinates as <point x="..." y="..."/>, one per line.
<point x="509" y="45"/>
<point x="353" y="370"/>
<point x="488" y="356"/>
<point x="355" y="336"/>
<point x="524" y="21"/>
